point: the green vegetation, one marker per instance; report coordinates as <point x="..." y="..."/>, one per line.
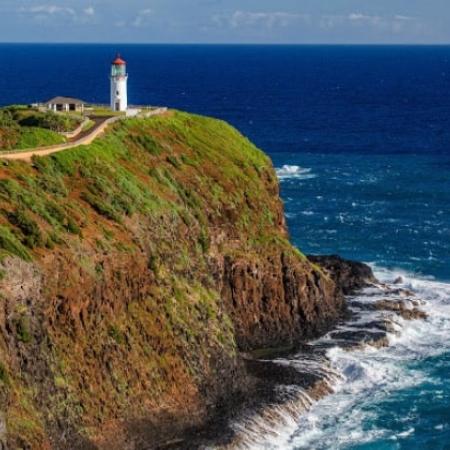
<point x="123" y="233"/>
<point x="115" y="333"/>
<point x="88" y="125"/>
<point x="23" y="127"/>
<point x="9" y="130"/>
<point x="104" y="111"/>
<point x="49" y="120"/>
<point x="23" y="329"/>
<point x="31" y="137"/>
<point x="187" y="167"/>
<point x="29" y="228"/>
<point x="4" y="377"/>
<point x="11" y="244"/>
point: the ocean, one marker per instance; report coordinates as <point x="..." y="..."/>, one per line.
<point x="360" y="138"/>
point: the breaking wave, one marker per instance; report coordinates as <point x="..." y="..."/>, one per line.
<point x="375" y="394"/>
<point x="294" y="172"/>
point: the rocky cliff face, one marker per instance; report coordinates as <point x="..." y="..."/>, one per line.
<point x="134" y="272"/>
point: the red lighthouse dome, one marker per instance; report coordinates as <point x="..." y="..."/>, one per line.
<point x="119" y="61"/>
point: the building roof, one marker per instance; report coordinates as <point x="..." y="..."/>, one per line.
<point x="65" y="100"/>
<point x="118" y="61"/>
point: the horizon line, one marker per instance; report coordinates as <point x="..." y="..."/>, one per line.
<point x="256" y="44"/>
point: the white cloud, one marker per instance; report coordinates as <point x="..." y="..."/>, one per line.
<point x="358" y="17"/>
<point x="252" y="19"/>
<point x="396" y="23"/>
<point x="49" y="10"/>
<point x="89" y="11"/>
<point x="404" y="18"/>
<point x="142" y="17"/>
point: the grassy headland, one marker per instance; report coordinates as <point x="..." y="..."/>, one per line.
<point x="133" y="271"/>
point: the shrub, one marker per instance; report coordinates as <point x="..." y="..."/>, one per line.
<point x="116" y="334"/>
<point x="50" y="121"/>
<point x="174" y="161"/>
<point x="29" y="228"/>
<point x="9" y="131"/>
<point x="12" y="245"/>
<point x="23" y="330"/>
<point x="4" y="377"/>
<point x="203" y="240"/>
<point x="72" y="226"/>
<point x="100" y="206"/>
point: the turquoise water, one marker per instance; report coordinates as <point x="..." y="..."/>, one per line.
<point x="393" y="398"/>
<point x="361" y="140"/>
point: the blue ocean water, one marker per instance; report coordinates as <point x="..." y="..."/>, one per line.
<point x="360" y="137"/>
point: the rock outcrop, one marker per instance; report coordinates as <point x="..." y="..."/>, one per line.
<point x="350" y="276"/>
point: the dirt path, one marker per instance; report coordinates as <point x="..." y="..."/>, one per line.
<point x="84" y="138"/>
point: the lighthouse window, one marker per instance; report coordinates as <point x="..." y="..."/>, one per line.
<point x="117" y="92"/>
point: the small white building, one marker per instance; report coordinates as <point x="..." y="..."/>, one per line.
<point x="65" y="104"/>
<point x="119" y="80"/>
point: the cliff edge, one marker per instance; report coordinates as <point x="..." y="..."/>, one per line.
<point x="134" y="273"/>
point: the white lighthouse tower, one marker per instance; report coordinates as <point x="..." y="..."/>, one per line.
<point x="119" y="79"/>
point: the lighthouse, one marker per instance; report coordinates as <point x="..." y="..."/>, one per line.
<point x="119" y="79"/>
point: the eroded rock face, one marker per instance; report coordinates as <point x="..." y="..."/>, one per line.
<point x="278" y="301"/>
<point x="348" y="275"/>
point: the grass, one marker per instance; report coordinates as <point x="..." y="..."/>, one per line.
<point x="179" y="165"/>
<point x="88" y="125"/>
<point x="32" y="236"/>
<point x="33" y="117"/>
<point x="102" y="111"/>
<point x="23" y="330"/>
<point x="32" y="137"/>
<point x="23" y="127"/>
<point x="12" y="245"/>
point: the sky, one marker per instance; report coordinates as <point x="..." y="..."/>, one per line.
<point x="227" y="21"/>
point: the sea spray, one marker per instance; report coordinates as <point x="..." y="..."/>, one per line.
<point x="294" y="172"/>
<point x="354" y="378"/>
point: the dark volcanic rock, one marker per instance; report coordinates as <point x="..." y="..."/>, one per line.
<point x="359" y="338"/>
<point x="350" y="276"/>
<point x="401" y="308"/>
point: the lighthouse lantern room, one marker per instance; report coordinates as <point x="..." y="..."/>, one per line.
<point x="119" y="79"/>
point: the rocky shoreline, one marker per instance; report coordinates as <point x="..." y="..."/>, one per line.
<point x="161" y="303"/>
<point x="272" y="373"/>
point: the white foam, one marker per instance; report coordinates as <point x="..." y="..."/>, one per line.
<point x="362" y="377"/>
<point x="294" y="172"/>
<point x="372" y="375"/>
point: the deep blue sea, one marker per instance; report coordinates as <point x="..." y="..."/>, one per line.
<point x="360" y="137"/>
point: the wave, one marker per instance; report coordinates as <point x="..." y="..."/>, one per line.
<point x="372" y="377"/>
<point x="294" y="172"/>
<point x="361" y="381"/>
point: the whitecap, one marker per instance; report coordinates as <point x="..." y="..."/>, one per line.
<point x="373" y="375"/>
<point x="294" y="172"/>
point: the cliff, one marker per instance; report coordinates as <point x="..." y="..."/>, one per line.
<point x="134" y="274"/>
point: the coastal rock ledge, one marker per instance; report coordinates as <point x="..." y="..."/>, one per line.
<point x="139" y="276"/>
